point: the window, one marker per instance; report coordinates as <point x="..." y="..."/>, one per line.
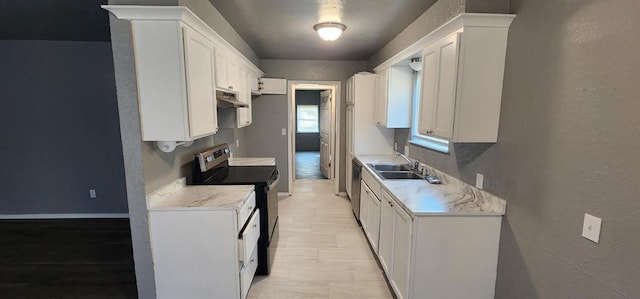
<point x="307" y="119"/>
<point x="441" y="145"/>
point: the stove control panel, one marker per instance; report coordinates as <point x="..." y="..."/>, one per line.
<point x="213" y="156"/>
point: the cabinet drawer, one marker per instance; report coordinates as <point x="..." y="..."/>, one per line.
<point x="246" y="209"/>
<point x="373" y="184"/>
<point x="247" y="273"/>
<point x="249" y="238"/>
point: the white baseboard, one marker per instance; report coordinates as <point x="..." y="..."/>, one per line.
<point x="284" y="194"/>
<point x="65" y="216"/>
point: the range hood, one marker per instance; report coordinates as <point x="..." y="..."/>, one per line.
<point x="228" y="100"/>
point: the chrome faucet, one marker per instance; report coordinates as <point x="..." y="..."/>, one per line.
<point x="413" y="164"/>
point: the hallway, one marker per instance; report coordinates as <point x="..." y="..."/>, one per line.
<point x="308" y="165"/>
<point x="322" y="252"/>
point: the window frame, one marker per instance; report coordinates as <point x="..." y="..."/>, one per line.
<point x="317" y="118"/>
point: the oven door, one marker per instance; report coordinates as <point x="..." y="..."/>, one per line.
<point x="272" y="204"/>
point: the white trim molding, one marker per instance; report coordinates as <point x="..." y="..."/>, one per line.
<point x="141" y="13"/>
<point x="459" y="22"/>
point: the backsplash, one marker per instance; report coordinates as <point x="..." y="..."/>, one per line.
<point x="460" y="163"/>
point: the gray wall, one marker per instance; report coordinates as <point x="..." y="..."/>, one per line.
<point x="60" y="129"/>
<point x="307" y="141"/>
<point x="567" y="145"/>
<point x="310" y="70"/>
<point x="263" y="137"/>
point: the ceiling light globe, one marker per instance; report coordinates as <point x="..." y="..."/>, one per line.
<point x="329" y="31"/>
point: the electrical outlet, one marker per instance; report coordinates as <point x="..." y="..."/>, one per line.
<point x="92" y="193"/>
<point x="479" y="181"/>
<point x="237" y="143"/>
<point x="591" y="227"/>
<point x="284" y="132"/>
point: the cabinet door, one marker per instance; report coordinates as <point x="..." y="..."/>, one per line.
<point x="199" y="71"/>
<point x="439" y="87"/>
<point x="243" y="114"/>
<point x="380" y="108"/>
<point x="374" y="221"/>
<point x="221" y="70"/>
<point x="385" y="245"/>
<point x="365" y="193"/>
<point x="233" y="74"/>
<point x="401" y="251"/>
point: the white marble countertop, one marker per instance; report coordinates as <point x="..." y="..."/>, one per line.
<point x="178" y="196"/>
<point x="259" y="161"/>
<point x="419" y="198"/>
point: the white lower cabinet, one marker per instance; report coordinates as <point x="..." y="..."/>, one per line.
<point x="204" y="253"/>
<point x="430" y="256"/>
<point x="370" y="215"/>
<point x="401" y="251"/>
<point x="395" y="243"/>
<point x="385" y="247"/>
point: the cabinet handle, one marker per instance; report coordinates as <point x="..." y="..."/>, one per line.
<point x="230" y="87"/>
<point x="252" y="260"/>
<point x="250" y="208"/>
<point x="367" y="191"/>
<point x="255" y="225"/>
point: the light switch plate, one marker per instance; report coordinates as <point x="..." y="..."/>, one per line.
<point x="479" y="180"/>
<point x="395" y="146"/>
<point x="284" y="132"/>
<point x="237" y="143"/>
<point x="92" y="193"/>
<point x="406" y="150"/>
<point x="591" y="227"/>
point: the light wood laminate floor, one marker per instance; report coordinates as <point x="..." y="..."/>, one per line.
<point x="322" y="252"/>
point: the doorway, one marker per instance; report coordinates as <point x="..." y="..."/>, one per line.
<point x="311" y="134"/>
<point x="312" y="127"/>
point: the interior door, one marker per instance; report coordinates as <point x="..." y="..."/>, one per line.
<point x="325" y="133"/>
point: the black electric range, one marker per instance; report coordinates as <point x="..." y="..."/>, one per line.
<point x="211" y="167"/>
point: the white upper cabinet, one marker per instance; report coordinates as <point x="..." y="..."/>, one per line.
<point x="227" y="72"/>
<point x="393" y="97"/>
<point x="175" y="81"/>
<point x="462" y="83"/>
<point x="199" y="69"/>
<point x="440" y="67"/>
<point x="254" y="83"/>
<point x="180" y="61"/>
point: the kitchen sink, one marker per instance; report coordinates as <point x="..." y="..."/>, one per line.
<point x="406" y="174"/>
<point x="390" y="167"/>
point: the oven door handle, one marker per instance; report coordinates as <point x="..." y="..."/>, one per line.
<point x="274" y="184"/>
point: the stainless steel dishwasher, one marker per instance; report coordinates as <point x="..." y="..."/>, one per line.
<point x="355" y="188"/>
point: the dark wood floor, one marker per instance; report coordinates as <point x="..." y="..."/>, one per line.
<point x="70" y="258"/>
<point x="308" y="165"/>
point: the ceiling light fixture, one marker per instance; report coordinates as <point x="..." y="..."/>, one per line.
<point x="329" y="31"/>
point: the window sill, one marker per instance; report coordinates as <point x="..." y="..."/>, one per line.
<point x="430" y="144"/>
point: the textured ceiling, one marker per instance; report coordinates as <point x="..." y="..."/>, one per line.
<point x="283" y="29"/>
<point x="275" y="29"/>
